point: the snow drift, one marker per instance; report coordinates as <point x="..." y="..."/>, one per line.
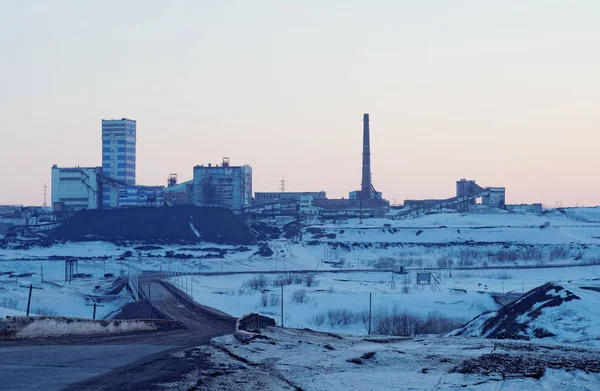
<point x="560" y="313"/>
<point x="28" y="327"/>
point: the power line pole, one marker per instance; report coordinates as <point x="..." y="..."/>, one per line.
<point x="94" y="305"/>
<point x="281" y="305"/>
<point x="282" y="185"/>
<point x="45" y="205"/>
<point x="31" y="288"/>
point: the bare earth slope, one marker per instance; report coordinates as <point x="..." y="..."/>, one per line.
<point x="561" y="313"/>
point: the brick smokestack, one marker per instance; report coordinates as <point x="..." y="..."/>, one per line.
<point x="365" y="191"/>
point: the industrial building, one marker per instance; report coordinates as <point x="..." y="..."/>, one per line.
<point x="366" y="202"/>
<point x="357" y="194"/>
<point x="178" y="193"/>
<point x="76" y="188"/>
<point x="470" y="197"/>
<point x="110" y="186"/>
<point x="118" y="162"/>
<point x="113" y="185"/>
<point x="261" y="198"/>
<point x="223" y="186"/>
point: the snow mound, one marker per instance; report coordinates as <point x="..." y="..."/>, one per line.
<point x="4" y="312"/>
<point x="560" y="313"/>
<point x="28" y="327"/>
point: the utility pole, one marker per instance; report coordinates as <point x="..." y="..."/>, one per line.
<point x="370" y="308"/>
<point x="31" y="288"/>
<point x="42" y="270"/>
<point x="94" y="305"/>
<point x="361" y="214"/>
<point x="281" y="305"/>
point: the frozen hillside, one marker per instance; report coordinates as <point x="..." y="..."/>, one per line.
<point x="579" y="226"/>
<point x="454" y="239"/>
<point x="556" y="312"/>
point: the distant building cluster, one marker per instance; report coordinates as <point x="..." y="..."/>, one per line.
<point x="113" y="185"/>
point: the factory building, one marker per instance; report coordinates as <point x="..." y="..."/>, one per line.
<point x="76" y="188"/>
<point x="118" y="162"/>
<point x="466" y="200"/>
<point x="470" y="197"/>
<point x="366" y="202"/>
<point x="178" y="193"/>
<point x="261" y="198"/>
<point x="223" y="186"/>
<point x="495" y="196"/>
<point x="356" y="194"/>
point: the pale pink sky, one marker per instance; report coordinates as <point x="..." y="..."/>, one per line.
<point x="506" y="93"/>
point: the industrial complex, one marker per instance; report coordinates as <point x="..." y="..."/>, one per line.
<point x="112" y="185"/>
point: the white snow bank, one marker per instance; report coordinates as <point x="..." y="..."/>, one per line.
<point x="27" y="327"/>
<point x="4" y="312"/>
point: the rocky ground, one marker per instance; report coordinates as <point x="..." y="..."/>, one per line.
<point x="305" y="360"/>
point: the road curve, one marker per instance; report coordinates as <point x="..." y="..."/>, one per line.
<point x="135" y="361"/>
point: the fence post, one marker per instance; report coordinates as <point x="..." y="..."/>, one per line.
<point x="370" y="306"/>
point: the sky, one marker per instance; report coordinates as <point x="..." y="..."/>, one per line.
<point x="505" y="93"/>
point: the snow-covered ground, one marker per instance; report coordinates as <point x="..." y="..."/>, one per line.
<point x="287" y="359"/>
<point x="571" y="236"/>
<point x="350" y="291"/>
<point x="58" y="297"/>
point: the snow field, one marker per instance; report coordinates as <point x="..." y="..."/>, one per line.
<point x="330" y="292"/>
<point x="57" y="297"/>
<point x="350" y="291"/>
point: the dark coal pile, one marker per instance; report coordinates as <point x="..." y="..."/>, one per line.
<point x="180" y="223"/>
<point x="514" y="364"/>
<point x="265" y="231"/>
<point x="519" y="320"/>
<point x="264" y="250"/>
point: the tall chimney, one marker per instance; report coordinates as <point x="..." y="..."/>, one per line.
<point x="365" y="191"/>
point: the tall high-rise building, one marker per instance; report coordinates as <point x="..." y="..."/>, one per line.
<point x="118" y="162"/>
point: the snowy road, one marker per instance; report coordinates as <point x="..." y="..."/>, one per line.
<point x="132" y="361"/>
<point x="56" y="367"/>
